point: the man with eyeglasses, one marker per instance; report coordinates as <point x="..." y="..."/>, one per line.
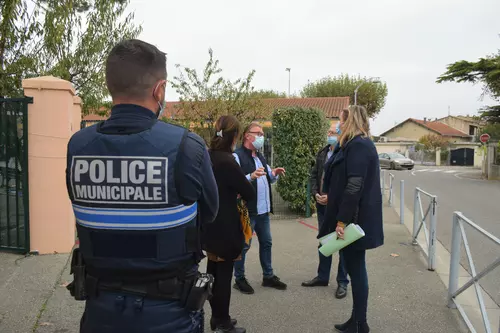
<point x="260" y="174"/>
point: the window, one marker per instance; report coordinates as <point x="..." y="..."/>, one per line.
<point x="472" y="130"/>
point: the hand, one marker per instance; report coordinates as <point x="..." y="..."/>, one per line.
<point x="278" y="171"/>
<point x="322" y="199"/>
<point x="340" y="232"/>
<point x="257" y="173"/>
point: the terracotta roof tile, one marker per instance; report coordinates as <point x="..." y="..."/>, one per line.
<point x="94" y="117"/>
<point x="331" y="106"/>
<point x="440" y="128"/>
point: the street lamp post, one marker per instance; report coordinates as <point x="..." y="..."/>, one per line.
<point x="289" y="70"/>
<point x="370" y="80"/>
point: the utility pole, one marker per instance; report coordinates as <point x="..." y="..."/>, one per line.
<point x="289" y="70"/>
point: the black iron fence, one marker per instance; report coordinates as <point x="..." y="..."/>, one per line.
<point x="14" y="195"/>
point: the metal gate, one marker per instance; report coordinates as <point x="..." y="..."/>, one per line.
<point x="462" y="156"/>
<point x="14" y="197"/>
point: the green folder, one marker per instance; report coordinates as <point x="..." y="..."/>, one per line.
<point x="331" y="243"/>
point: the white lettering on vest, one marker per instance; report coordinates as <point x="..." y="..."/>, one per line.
<point x="120" y="179"/>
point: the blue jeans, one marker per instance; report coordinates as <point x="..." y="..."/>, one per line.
<point x="325" y="263"/>
<point x="111" y="312"/>
<point x="356" y="267"/>
<point x="262" y="227"/>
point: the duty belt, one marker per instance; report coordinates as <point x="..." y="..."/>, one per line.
<point x="166" y="289"/>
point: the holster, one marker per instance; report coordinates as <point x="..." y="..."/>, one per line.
<point x="199" y="292"/>
<point x="77" y="287"/>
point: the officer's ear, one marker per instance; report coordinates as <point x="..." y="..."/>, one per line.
<point x="160" y="91"/>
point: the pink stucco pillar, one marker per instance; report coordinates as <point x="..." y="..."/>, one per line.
<point x="52" y="119"/>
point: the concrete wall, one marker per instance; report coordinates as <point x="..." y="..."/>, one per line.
<point x="391" y="147"/>
<point x="492" y="170"/>
<point x="52" y="118"/>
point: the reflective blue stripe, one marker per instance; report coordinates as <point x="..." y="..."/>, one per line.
<point x="134" y="219"/>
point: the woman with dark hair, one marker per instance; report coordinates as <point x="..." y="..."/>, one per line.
<point x="223" y="239"/>
<point x="354" y="197"/>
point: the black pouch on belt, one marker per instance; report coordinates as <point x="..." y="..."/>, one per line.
<point x="201" y="291"/>
<point x="77" y="287"/>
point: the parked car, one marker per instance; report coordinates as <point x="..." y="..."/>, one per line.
<point x="395" y="161"/>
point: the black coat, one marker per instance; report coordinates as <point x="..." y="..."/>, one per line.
<point x="317" y="171"/>
<point x="224" y="236"/>
<point x="358" y="158"/>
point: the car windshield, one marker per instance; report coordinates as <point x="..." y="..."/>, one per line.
<point x="395" y="156"/>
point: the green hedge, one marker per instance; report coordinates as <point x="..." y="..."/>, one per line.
<point x="298" y="134"/>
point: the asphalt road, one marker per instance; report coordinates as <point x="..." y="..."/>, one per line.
<point x="460" y="189"/>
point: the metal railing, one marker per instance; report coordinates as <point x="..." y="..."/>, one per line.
<point x="459" y="235"/>
<point x="391" y="189"/>
<point x="419" y="222"/>
<point x="402" y="202"/>
<point x="382" y="182"/>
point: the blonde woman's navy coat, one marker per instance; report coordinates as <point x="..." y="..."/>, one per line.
<point x="358" y="161"/>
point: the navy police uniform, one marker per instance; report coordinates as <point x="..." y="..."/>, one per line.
<point x="141" y="189"/>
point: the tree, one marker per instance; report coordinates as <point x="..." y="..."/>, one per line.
<point x="485" y="71"/>
<point x="493" y="129"/>
<point x="370" y="95"/>
<point x="69" y="39"/>
<point x="432" y="142"/>
<point x="206" y="97"/>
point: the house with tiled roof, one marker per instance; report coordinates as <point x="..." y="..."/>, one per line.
<point x="331" y="106"/>
<point x="466" y="124"/>
<point x="414" y="129"/>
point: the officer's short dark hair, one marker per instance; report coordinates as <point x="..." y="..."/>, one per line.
<point x="226" y="129"/>
<point x="133" y="67"/>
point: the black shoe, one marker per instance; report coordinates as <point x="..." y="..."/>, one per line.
<point x="274" y="282"/>
<point x="316" y="282"/>
<point x="243" y="286"/>
<point x="230" y="329"/>
<point x="357" y="327"/>
<point x="341" y="291"/>
<point x="213" y="323"/>
<point x="343" y="327"/>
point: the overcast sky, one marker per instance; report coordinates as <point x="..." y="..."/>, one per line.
<point x="405" y="43"/>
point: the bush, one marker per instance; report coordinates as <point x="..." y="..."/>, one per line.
<point x="298" y="135"/>
<point x="445" y="154"/>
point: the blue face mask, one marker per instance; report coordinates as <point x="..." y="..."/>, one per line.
<point x="332" y="140"/>
<point x="338" y="129"/>
<point x="259" y="142"/>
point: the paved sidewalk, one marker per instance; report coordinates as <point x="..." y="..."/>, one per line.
<point x="404" y="296"/>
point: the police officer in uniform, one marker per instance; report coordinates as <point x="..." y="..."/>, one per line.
<point x="141" y="190"/>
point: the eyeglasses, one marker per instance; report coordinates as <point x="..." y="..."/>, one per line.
<point x="257" y="133"/>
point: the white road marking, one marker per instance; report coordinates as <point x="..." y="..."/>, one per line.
<point x="451" y="171"/>
<point x="423" y="170"/>
<point x="436" y="170"/>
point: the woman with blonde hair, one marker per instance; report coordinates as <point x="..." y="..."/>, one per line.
<point x="354" y="196"/>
